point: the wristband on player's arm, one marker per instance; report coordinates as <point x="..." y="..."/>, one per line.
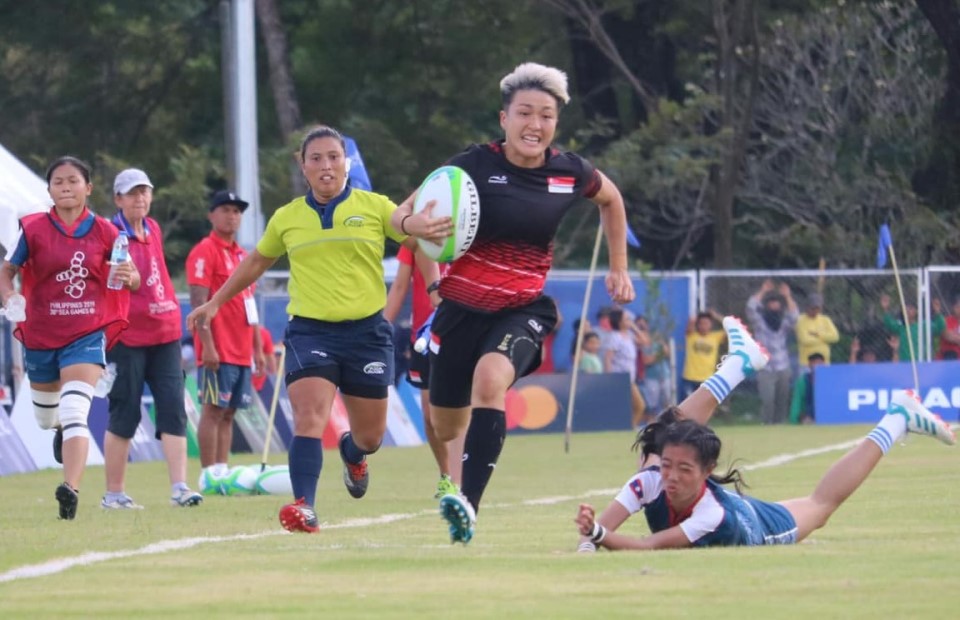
<point x="599" y="533"/>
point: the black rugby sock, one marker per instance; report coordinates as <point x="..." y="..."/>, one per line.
<point x="484" y="442"/>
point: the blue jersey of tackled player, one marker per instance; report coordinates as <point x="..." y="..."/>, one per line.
<point x="719" y="517"/>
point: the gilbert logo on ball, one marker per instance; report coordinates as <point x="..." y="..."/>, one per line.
<point x="456" y="196"/>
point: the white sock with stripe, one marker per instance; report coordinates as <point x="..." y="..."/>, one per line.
<point x="890" y="429"/>
<point x="728" y="376"/>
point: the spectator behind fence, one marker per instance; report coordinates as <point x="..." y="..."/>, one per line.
<point x="950" y="337"/>
<point x="802" y="410"/>
<point x="868" y="354"/>
<point x="590" y="361"/>
<point x="656" y="360"/>
<point x="815" y="331"/>
<point x="621" y="356"/>
<point x="773" y="315"/>
<point x="702" y="350"/>
<point x="603" y="329"/>
<point x="900" y="327"/>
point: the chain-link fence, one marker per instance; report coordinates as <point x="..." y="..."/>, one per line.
<point x="942" y="299"/>
<point x="863" y="304"/>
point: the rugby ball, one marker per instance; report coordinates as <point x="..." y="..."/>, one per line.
<point x="456" y="196"/>
<point x="275" y="480"/>
<point x="209" y="484"/>
<point x="240" y="480"/>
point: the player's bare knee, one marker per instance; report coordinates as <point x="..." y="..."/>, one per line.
<point x="368" y="442"/>
<point x="447" y="427"/>
<point x="445" y="434"/>
<point x="489" y="390"/>
<point x="46" y="408"/>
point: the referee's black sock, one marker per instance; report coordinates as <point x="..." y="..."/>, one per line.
<point x="488" y="428"/>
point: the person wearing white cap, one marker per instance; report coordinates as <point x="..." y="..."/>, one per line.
<point x="149" y="351"/>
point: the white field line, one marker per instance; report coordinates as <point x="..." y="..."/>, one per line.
<point x="60" y="565"/>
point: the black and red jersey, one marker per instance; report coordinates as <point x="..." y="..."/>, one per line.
<point x="520" y="211"/>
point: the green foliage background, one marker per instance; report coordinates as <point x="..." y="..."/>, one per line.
<point x="122" y="82"/>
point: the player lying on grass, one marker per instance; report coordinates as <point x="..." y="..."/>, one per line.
<point x="683" y="499"/>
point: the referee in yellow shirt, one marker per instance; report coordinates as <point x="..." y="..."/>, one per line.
<point x="337" y="337"/>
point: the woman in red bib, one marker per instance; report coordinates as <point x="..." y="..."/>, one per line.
<point x="148" y="352"/>
<point x="71" y="317"/>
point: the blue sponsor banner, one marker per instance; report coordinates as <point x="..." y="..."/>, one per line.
<point x="98" y="419"/>
<point x="14" y="456"/>
<point x="671" y="295"/>
<point x="860" y="393"/>
<point x="538" y="403"/>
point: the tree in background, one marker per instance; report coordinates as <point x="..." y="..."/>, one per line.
<point x="939" y="181"/>
<point x="282" y="86"/>
<point x="843" y="119"/>
<point x="663" y="92"/>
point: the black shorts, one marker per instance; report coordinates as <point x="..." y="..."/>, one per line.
<point x="160" y="367"/>
<point x="462" y="336"/>
<point x="356" y="356"/>
<point x="418" y="374"/>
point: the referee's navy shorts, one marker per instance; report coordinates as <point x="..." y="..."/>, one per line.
<point x="356" y="356"/>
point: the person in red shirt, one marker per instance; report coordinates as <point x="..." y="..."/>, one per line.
<point x="71" y="316"/>
<point x="446" y="453"/>
<point x="950" y="337"/>
<point x="148" y="351"/>
<point x="226" y="347"/>
<point x="270" y="361"/>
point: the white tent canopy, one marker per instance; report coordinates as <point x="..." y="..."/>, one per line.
<point x="21" y="192"/>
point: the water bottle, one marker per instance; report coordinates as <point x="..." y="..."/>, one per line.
<point x="117" y="256"/>
<point x="16" y="309"/>
<point x="422" y="342"/>
<point x="105" y="382"/>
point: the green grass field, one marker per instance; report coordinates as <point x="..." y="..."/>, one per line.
<point x="890" y="552"/>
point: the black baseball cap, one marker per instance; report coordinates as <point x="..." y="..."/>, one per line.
<point x="226" y="197"/>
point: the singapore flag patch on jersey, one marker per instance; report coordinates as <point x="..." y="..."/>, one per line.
<point x="560" y="185"/>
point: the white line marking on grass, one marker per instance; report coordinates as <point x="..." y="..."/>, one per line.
<point x="94" y="557"/>
<point x="367" y="521"/>
<point x="781" y="459"/>
<point x="60" y="565"/>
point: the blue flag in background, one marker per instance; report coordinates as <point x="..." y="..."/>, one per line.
<point x="357" y="175"/>
<point x="632" y="240"/>
<point x="885" y="242"/>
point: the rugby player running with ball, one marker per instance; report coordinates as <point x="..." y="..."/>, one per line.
<point x="489" y="329"/>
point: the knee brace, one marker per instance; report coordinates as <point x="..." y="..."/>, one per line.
<point x="46" y="408"/>
<point x="75" y="400"/>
